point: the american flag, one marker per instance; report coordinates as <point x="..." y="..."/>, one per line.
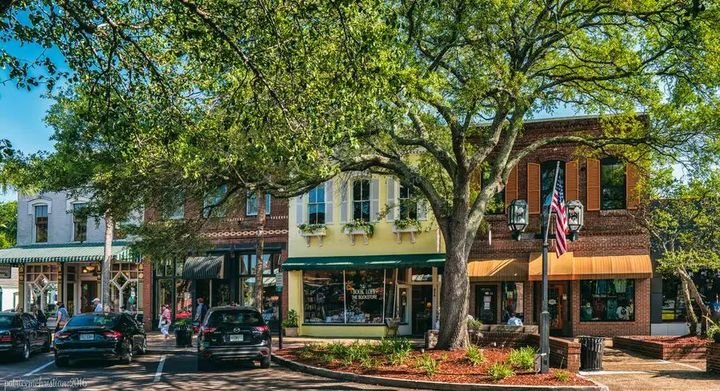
<point x="558" y="206"/>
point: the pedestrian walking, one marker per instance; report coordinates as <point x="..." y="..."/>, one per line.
<point x="98" y="306"/>
<point x="62" y="317"/>
<point x="200" y="310"/>
<point x="39" y="315"/>
<point x="165" y="321"/>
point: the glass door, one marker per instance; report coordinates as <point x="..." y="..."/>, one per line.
<point x="403" y="301"/>
<point x="421" y="311"/>
<point x="88" y="292"/>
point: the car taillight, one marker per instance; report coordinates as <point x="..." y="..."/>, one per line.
<point x="262" y="329"/>
<point x="113" y="334"/>
<point x="209" y="330"/>
<point x="7" y="338"/>
<point x="62" y="335"/>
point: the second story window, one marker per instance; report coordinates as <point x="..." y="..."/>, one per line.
<point x="177" y="208"/>
<point x="79" y="223"/>
<point x="361" y="200"/>
<point x="251" y="207"/>
<point x="316" y="205"/>
<point x="408" y="203"/>
<point x="211" y="205"/>
<point x="41" y="224"/>
<point x="547" y="176"/>
<point x="612" y="184"/>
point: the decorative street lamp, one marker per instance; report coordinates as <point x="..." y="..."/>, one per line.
<point x="517" y="216"/>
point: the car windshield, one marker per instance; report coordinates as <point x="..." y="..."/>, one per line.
<point x="6" y="320"/>
<point x="235" y="318"/>
<point x="99" y="320"/>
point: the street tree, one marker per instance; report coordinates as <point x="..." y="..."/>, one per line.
<point x="8" y="224"/>
<point x="278" y="96"/>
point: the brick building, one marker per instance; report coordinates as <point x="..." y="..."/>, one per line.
<point x="601" y="286"/>
<point x="226" y="273"/>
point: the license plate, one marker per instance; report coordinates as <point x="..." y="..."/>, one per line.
<point x="87" y="337"/>
<point x="236" y="338"/>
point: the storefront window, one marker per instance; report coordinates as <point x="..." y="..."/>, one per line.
<point x="364" y="292"/>
<point x="220" y="293"/>
<point x="707" y="283"/>
<point x="164" y="295"/>
<point x="391" y="304"/>
<point x="607" y="300"/>
<point x="422" y="274"/>
<point x="125" y="288"/>
<point x="324" y="297"/>
<point x="183" y="299"/>
<point x="512" y="300"/>
<point x="42" y="287"/>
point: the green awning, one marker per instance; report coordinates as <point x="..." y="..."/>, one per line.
<point x="363" y="262"/>
<point x="66" y="252"/>
<point x="202" y="268"/>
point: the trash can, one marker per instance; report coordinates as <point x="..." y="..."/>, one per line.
<point x="591" y="353"/>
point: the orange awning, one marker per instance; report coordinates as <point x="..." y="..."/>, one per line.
<point x="511" y="269"/>
<point x="570" y="267"/>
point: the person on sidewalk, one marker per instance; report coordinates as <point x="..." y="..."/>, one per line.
<point x="165" y="321"/>
<point x="62" y="317"/>
<point x="98" y="306"/>
<point x="200" y="310"/>
<point x="514" y="320"/>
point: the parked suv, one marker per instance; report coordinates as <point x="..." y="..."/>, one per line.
<point x="233" y="334"/>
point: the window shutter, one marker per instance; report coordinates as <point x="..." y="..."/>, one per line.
<point x="374" y="199"/>
<point x="511" y="187"/>
<point x="571" y="180"/>
<point x="344" y="203"/>
<point x="593" y="184"/>
<point x="391" y="200"/>
<point x="422" y="208"/>
<point x="329" y="202"/>
<point x="299" y="210"/>
<point x="631" y="186"/>
<point x="533" y="188"/>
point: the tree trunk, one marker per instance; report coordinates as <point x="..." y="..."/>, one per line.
<point x="695" y="294"/>
<point x="106" y="274"/>
<point x="455" y="292"/>
<point x="689" y="312"/>
<point x="259" y="251"/>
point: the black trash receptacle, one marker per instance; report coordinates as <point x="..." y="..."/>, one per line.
<point x="591" y="353"/>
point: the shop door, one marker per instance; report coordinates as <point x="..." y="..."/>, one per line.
<point x="486" y="303"/>
<point x="404" y="310"/>
<point x="88" y="292"/>
<point x="556" y="307"/>
<point x="421" y="311"/>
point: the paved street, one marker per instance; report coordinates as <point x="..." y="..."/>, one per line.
<point x="169" y="370"/>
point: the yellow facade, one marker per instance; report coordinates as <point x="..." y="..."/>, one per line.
<point x="335" y="242"/>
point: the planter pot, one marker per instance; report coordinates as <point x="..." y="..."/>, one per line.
<point x="183" y="337"/>
<point x="716" y="337"/>
<point x="291" y="331"/>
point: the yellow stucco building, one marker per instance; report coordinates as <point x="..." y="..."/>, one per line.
<point x="363" y="252"/>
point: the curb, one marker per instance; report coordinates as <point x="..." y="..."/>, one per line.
<point x="422" y="384"/>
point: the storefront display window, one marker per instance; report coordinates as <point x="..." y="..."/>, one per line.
<point x="42" y="287"/>
<point x="126" y="288"/>
<point x="607" y="300"/>
<point x="220" y="293"/>
<point x="708" y="285"/>
<point x="365" y="296"/>
<point x="324" y="297"/>
<point x="512" y="300"/>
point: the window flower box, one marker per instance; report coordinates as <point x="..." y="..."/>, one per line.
<point x="359" y="228"/>
<point x="309" y="231"/>
<point x="409" y="226"/>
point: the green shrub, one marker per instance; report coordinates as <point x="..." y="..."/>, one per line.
<point x="474" y="355"/>
<point x="328" y="358"/>
<point x="310" y="351"/>
<point x="522" y="358"/>
<point x="337" y="349"/>
<point x="292" y="319"/>
<point x="388" y="346"/>
<point x="399" y="358"/>
<point x="562" y="375"/>
<point x="358" y="351"/>
<point x="474" y="325"/>
<point x="369" y="363"/>
<point x="427" y="364"/>
<point x="499" y="371"/>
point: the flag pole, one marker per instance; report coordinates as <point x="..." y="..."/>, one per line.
<point x="545" y="315"/>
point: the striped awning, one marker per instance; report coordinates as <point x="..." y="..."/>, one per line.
<point x="66" y="252"/>
<point x="571" y="267"/>
<point x="203" y="268"/>
<point x="358" y="262"/>
<point x="509" y="269"/>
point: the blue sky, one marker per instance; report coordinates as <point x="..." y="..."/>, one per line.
<point x="22" y="111"/>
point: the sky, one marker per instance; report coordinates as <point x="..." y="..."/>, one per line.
<point x="22" y="112"/>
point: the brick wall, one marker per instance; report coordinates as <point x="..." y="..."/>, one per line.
<point x="713" y="358"/>
<point x="662" y="351"/>
<point x="563" y="353"/>
<point x="641" y="325"/>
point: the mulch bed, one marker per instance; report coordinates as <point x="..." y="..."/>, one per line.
<point x="453" y="369"/>
<point x="670" y="340"/>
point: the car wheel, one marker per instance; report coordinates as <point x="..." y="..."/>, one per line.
<point x="61" y="362"/>
<point x="129" y="355"/>
<point x="46" y="346"/>
<point x="25" y="354"/>
<point x="265" y="362"/>
<point x="202" y="365"/>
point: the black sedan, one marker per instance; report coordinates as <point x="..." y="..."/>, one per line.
<point x="104" y="336"/>
<point x="233" y="333"/>
<point x="21" y="334"/>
